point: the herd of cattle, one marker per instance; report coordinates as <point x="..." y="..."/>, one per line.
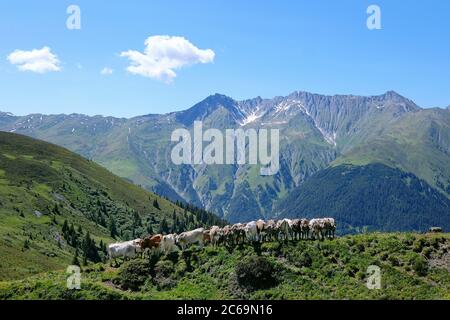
<point x="255" y="231"/>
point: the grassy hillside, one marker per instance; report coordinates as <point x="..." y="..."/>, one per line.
<point x="374" y="196"/>
<point x="419" y="143"/>
<point x="413" y="266"/>
<point x="54" y="203"/>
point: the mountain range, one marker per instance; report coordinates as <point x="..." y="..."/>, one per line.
<point x="399" y="144"/>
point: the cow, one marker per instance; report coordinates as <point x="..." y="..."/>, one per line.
<point x="168" y="243"/>
<point x="127" y="250"/>
<point x="304" y="229"/>
<point x="237" y="233"/>
<point x="190" y="237"/>
<point x="251" y="231"/>
<point x="317" y="227"/>
<point x="300" y="229"/>
<point x="261" y="229"/>
<point x="151" y="242"/>
<point x="435" y="230"/>
<point x="270" y="230"/>
<point x="296" y="229"/>
<point x="284" y="229"/>
<point x="206" y="237"/>
<point x="225" y="234"/>
<point x="329" y="226"/>
<point x="215" y="234"/>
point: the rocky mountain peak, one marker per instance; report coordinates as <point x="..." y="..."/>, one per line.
<point x="206" y="107"/>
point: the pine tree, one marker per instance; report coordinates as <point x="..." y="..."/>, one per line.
<point x="65" y="229"/>
<point x="102" y="220"/>
<point x="113" y="228"/>
<point x="156" y="204"/>
<point x="136" y="219"/>
<point x="89" y="249"/>
<point x="174" y="221"/>
<point x="26" y="244"/>
<point x="163" y="226"/>
<point x="56" y="209"/>
<point x="149" y="229"/>
<point x="75" y="258"/>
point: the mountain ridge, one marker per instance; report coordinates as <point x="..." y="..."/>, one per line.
<point x="258" y="99"/>
<point x="316" y="131"/>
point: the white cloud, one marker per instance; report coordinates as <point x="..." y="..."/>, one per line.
<point x="106" y="71"/>
<point x="36" y="60"/>
<point x="165" y="54"/>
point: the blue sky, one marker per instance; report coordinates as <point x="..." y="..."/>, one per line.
<point x="261" y="48"/>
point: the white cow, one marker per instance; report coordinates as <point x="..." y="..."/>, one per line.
<point x="237" y="233"/>
<point x="127" y="250"/>
<point x="316" y="227"/>
<point x="191" y="237"/>
<point x="168" y="243"/>
<point x="215" y="233"/>
<point x="251" y="231"/>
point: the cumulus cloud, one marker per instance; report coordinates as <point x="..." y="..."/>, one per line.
<point x="36" y="60"/>
<point x="106" y="71"/>
<point x="165" y="54"/>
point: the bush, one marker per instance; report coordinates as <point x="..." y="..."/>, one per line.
<point x="427" y="252"/>
<point x="304" y="260"/>
<point x="164" y="275"/>
<point x="255" y="273"/>
<point x="360" y="247"/>
<point x="394" y="261"/>
<point x="419" y="245"/>
<point x="133" y="274"/>
<point x="420" y="266"/>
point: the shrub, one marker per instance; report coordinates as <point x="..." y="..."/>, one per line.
<point x="419" y="245"/>
<point x="360" y="247"/>
<point x="427" y="252"/>
<point x="394" y="261"/>
<point x="164" y="275"/>
<point x="133" y="274"/>
<point x="435" y="243"/>
<point x="420" y="266"/>
<point x="153" y="258"/>
<point x="304" y="260"/>
<point x="255" y="272"/>
<point x="409" y="239"/>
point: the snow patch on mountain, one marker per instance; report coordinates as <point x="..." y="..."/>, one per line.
<point x="252" y="117"/>
<point x="329" y="137"/>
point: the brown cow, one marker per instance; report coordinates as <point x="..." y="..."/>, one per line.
<point x="150" y="242"/>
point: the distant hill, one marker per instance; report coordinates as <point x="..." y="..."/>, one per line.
<point x="373" y="197"/>
<point x="51" y="198"/>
